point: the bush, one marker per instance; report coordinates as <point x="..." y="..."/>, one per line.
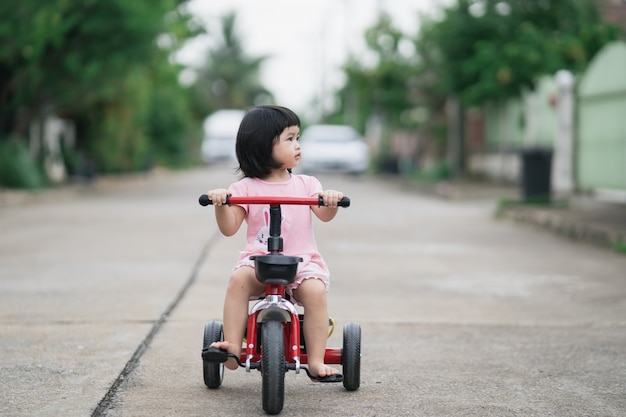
<point x="17" y="167"/>
<point x="439" y="171"/>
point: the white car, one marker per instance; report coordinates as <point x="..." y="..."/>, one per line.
<point x="220" y="135"/>
<point x="337" y="148"/>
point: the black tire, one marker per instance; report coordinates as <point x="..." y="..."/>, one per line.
<point x="273" y="367"/>
<point x="351" y="356"/>
<point x="213" y="372"/>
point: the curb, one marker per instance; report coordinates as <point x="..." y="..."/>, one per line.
<point x="558" y="221"/>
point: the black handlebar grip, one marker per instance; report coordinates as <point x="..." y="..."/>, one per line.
<point x="344" y="202"/>
<point x="204" y="200"/>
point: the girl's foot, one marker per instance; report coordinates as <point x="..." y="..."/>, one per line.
<point x="230" y="348"/>
<point x="320" y="369"/>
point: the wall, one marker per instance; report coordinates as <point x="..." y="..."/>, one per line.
<point x="601" y="154"/>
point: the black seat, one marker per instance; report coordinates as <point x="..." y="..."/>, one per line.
<point x="276" y="268"/>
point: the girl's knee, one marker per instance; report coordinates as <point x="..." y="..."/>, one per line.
<point x="244" y="279"/>
<point x="314" y="285"/>
<point x="311" y="289"/>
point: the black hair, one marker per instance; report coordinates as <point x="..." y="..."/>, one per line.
<point x="260" y="128"/>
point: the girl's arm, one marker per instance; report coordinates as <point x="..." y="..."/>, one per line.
<point x="229" y="218"/>
<point x="327" y="212"/>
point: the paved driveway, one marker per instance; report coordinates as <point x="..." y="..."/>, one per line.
<point x="104" y="293"/>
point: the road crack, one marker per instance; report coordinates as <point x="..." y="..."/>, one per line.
<point x="107" y="401"/>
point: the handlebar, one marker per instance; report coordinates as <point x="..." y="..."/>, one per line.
<point x="301" y="201"/>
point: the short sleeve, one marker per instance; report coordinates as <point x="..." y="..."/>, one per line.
<point x="314" y="186"/>
<point x="239" y="189"/>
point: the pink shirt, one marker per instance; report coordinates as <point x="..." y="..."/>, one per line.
<point x="296" y="225"/>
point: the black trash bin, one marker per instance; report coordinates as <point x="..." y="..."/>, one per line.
<point x="536" y="174"/>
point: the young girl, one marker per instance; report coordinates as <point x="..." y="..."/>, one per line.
<point x="267" y="149"/>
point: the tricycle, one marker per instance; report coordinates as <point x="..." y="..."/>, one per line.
<point x="274" y="341"/>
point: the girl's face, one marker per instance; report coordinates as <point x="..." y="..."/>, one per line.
<point x="286" y="149"/>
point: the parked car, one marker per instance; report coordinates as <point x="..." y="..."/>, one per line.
<point x="220" y="134"/>
<point x="337" y="148"/>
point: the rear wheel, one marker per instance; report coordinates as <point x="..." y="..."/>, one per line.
<point x="273" y="367"/>
<point x="351" y="356"/>
<point x="213" y="372"/>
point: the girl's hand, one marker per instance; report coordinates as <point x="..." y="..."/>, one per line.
<point x="218" y="196"/>
<point x="331" y="198"/>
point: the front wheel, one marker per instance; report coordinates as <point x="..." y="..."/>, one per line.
<point x="351" y="356"/>
<point x="213" y="372"/>
<point x="273" y="366"/>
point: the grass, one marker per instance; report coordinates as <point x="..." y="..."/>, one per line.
<point x="620" y="246"/>
<point x="545" y="202"/>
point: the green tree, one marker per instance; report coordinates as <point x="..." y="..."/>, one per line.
<point x="229" y="79"/>
<point x="98" y="63"/>
<point x="492" y="49"/>
<point x="385" y="88"/>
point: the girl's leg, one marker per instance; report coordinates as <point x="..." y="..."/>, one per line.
<point x="312" y="294"/>
<point x="242" y="285"/>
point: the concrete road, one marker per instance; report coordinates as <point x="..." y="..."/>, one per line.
<point x="104" y="293"/>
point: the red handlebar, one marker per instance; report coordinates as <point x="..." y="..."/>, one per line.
<point x="301" y="201"/>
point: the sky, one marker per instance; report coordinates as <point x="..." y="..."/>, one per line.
<point x="306" y="41"/>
